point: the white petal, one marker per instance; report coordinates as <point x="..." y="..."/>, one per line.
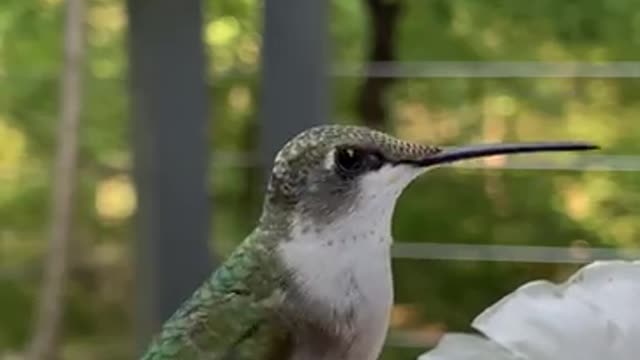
<point x="455" y="346"/>
<point x="591" y="317"/>
<point x="595" y="315"/>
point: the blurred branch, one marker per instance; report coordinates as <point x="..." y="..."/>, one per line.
<point x="46" y="336"/>
<point x="384" y="16"/>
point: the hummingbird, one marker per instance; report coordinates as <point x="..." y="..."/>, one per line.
<point x="313" y="280"/>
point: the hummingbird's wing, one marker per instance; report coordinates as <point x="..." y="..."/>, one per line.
<point x="233" y="315"/>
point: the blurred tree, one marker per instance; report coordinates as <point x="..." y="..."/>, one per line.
<point x="371" y="104"/>
<point x="46" y="338"/>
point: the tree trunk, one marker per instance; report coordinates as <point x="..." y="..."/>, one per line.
<point x="384" y="17"/>
<point x="45" y="342"/>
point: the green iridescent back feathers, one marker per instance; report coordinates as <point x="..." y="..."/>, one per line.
<point x="233" y="315"/>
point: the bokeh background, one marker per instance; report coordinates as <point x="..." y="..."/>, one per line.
<point x="492" y="203"/>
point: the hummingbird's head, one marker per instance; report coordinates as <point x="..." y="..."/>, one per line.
<point x="331" y="172"/>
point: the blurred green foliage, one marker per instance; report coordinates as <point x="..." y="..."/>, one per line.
<point x="449" y="205"/>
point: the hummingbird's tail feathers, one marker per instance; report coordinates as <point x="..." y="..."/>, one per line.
<point x="592" y="316"/>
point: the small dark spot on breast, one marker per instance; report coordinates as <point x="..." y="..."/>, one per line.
<point x="305" y="229"/>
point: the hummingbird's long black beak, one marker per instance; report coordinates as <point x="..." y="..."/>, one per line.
<point x="477" y="151"/>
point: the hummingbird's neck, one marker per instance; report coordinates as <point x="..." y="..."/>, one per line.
<point x="341" y="280"/>
<point x="332" y="256"/>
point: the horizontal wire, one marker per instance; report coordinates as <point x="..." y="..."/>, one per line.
<point x="497" y="253"/>
<point x="588" y="163"/>
<point x="422" y="69"/>
<point x="490" y="69"/>
<point x="510" y="253"/>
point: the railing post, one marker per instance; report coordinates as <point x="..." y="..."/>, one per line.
<point x="170" y="151"/>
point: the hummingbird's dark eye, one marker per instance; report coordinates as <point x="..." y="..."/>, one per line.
<point x="350" y="160"/>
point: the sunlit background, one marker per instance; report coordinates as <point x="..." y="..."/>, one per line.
<point x="484" y="204"/>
